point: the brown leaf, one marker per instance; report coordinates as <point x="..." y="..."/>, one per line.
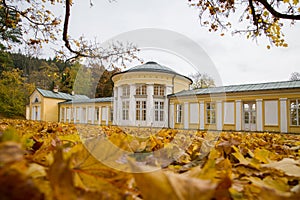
<point x="61" y="178"/>
<point x="172" y="186"/>
<point x="289" y="166"/>
<point x="10" y="152"/>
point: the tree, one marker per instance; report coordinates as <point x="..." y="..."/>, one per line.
<point x="105" y="85"/>
<point x="295" y="76"/>
<point x="36" y="25"/>
<point x="14" y="93"/>
<point x="201" y="81"/>
<point x="10" y="30"/>
<point x="46" y="77"/>
<point x="263" y="17"/>
<point x="6" y="62"/>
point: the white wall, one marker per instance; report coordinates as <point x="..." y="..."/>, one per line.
<point x="271" y="112"/>
<point x="194" y="113"/>
<point x="228" y="112"/>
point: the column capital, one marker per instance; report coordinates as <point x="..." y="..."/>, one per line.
<point x="258" y="100"/>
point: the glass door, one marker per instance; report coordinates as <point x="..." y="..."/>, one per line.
<point x="249" y="115"/>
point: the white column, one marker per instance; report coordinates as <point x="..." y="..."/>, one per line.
<point x="131" y="106"/>
<point x="167" y="116"/>
<point x="238" y="115"/>
<point x="259" y="113"/>
<point x="150" y="105"/>
<point x="74" y="114"/>
<point x="39" y="113"/>
<point x="65" y="114"/>
<point x="166" y="108"/>
<point x="119" y="107"/>
<point x="186" y="115"/>
<point x="86" y="114"/>
<point x="27" y="112"/>
<point x="283" y="115"/>
<point x="219" y="115"/>
<point x="33" y="113"/>
<point x="100" y="115"/>
<point x="201" y="115"/>
<point x="171" y="115"/>
<point x="93" y="114"/>
<point x="60" y="114"/>
<point x="169" y="89"/>
<point x="69" y="114"/>
<point x="115" y="106"/>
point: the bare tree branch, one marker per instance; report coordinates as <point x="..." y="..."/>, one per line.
<point x="275" y="13"/>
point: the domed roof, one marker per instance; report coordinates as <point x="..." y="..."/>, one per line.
<point x="151" y="66"/>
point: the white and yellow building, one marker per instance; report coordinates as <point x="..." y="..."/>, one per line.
<point x="152" y="95"/>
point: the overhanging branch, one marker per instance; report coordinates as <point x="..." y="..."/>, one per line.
<point x="275" y="13"/>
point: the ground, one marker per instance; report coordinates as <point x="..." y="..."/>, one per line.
<point x="66" y="161"/>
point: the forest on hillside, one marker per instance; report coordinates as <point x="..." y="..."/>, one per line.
<point x="20" y="74"/>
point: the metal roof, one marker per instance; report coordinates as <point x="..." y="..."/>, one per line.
<point x="152" y="66"/>
<point x="95" y="100"/>
<point x="60" y="95"/>
<point x="242" y="88"/>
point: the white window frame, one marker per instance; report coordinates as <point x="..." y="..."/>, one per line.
<point x="141" y="110"/>
<point x="159" y="90"/>
<point x="141" y="89"/>
<point x="125" y="110"/>
<point x="179" y="113"/>
<point x="210" y="112"/>
<point x="159" y="111"/>
<point x="295" y="110"/>
<point x="126" y="90"/>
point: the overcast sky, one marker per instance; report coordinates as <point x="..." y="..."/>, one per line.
<point x="236" y="59"/>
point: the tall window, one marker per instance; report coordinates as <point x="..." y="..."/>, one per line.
<point x="111" y="114"/>
<point x="295" y="112"/>
<point x="159" y="110"/>
<point x="126" y="91"/>
<point x="141" y="90"/>
<point x="125" y="110"/>
<point x="159" y="90"/>
<point x="96" y="114"/>
<point x="62" y="118"/>
<point x="141" y="110"/>
<point x="178" y="113"/>
<point x="72" y="113"/>
<point x="210" y="113"/>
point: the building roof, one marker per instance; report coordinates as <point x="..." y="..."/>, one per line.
<point x="95" y="100"/>
<point x="60" y="95"/>
<point x="242" y="88"/>
<point x="152" y="66"/>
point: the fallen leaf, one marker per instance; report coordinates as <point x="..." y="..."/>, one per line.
<point x="289" y="166"/>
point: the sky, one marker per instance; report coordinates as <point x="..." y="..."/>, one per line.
<point x="175" y="31"/>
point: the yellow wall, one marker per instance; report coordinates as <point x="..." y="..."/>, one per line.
<point x="50" y="110"/>
<point x="243" y="97"/>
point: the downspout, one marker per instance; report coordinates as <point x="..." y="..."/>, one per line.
<point x="173" y="78"/>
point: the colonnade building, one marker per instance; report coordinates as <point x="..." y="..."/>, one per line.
<point x="153" y="95"/>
